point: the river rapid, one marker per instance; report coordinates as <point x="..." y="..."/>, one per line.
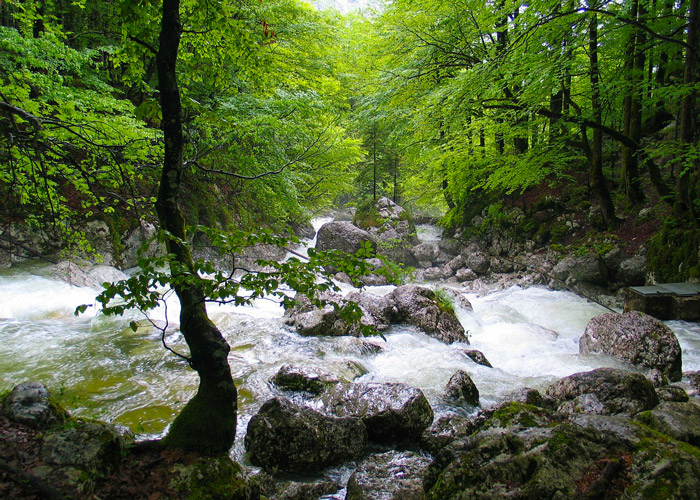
<point x="99" y="367"/>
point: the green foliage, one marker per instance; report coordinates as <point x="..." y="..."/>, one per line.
<point x="444" y="300"/>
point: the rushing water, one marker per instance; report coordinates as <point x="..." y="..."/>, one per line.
<point x="100" y="368"/>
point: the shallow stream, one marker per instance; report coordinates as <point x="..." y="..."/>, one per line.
<point x="100" y="368"/>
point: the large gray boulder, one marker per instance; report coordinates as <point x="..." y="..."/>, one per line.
<point x="343" y="236"/>
<point x="391" y="412"/>
<point x="461" y="389"/>
<point x="680" y="420"/>
<point x="637" y="338"/>
<point x="286" y="437"/>
<point x="30" y="403"/>
<point x="478" y="262"/>
<point x="605" y="391"/>
<point x="418" y="306"/>
<point x="425" y="253"/>
<point x="581" y="269"/>
<point x="389" y="476"/>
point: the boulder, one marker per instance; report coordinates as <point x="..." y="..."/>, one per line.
<point x="89" y="446"/>
<point x="478" y="357"/>
<point x="301" y="379"/>
<point x="391" y="412"/>
<point x="389" y="476"/>
<point x="604" y="391"/>
<point x="672" y="393"/>
<point x="632" y="272"/>
<point x="461" y="389"/>
<point x="446" y="430"/>
<point x="212" y="477"/>
<point x="581" y="269"/>
<point x="478" y="262"/>
<point x="425" y="252"/>
<point x="435" y="274"/>
<point x="466" y="275"/>
<point x="132" y="241"/>
<point x="680" y="420"/>
<point x="634" y="337"/>
<point x="418" y="306"/>
<point x="455" y="265"/>
<point x="343" y="236"/>
<point x="303" y="229"/>
<point x="693" y="380"/>
<point x="30" y="403"/>
<point x="290" y="490"/>
<point x="86" y="275"/>
<point x="594" y="457"/>
<point x="286" y="437"/>
<point x="450" y="246"/>
<point x="533" y="397"/>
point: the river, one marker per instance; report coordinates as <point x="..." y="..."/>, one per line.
<point x="99" y="367"/>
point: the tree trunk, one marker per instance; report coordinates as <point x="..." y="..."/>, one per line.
<point x="207" y="423"/>
<point x="632" y="113"/>
<point x="683" y="204"/>
<point x="597" y="177"/>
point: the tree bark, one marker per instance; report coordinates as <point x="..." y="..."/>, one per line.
<point x="207" y="423"/>
<point x="597" y="177"/>
<point x="632" y="113"/>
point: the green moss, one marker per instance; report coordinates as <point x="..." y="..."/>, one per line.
<point x="673" y="253"/>
<point x="213" y="478"/>
<point x="517" y="414"/>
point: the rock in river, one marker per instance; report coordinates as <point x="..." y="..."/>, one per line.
<point x="389" y="476"/>
<point x="637" y="338"/>
<point x="287" y="437"/>
<point x="391" y="412"/>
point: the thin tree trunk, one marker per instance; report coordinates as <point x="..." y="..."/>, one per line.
<point x="683" y="203"/>
<point x="207" y="423"/>
<point x="598" y="182"/>
<point x="632" y="115"/>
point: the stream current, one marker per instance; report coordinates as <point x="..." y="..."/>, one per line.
<point x="98" y="367"/>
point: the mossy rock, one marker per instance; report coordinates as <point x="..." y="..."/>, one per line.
<point x="213" y="478"/>
<point x="673" y="253"/>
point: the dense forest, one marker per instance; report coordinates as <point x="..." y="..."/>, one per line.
<point x="570" y="126"/>
<point x="450" y="108"/>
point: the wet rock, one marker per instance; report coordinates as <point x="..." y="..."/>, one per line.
<point x="417" y="306"/>
<point x="478" y="262"/>
<point x="99" y="235"/>
<point x="286" y="437"/>
<point x="30" y="403"/>
<point x="134" y="239"/>
<point x="445" y="430"/>
<point x="450" y="246"/>
<point x="86" y="274"/>
<point x="693" y="380"/>
<point x="391" y="412"/>
<point x="632" y="272"/>
<point x="425" y="252"/>
<point x="434" y="274"/>
<point x="305" y="490"/>
<point x="533" y="397"/>
<point x="634" y="337"/>
<point x="461" y="389"/>
<point x="389" y="476"/>
<point x="466" y="275"/>
<point x="672" y="393"/>
<point x="455" y="265"/>
<point x="581" y="269"/>
<point x="392" y="228"/>
<point x="89" y="446"/>
<point x="343" y="236"/>
<point x="657" y="378"/>
<point x="300" y="379"/>
<point x="458" y="298"/>
<point x="605" y="391"/>
<point x="589" y="458"/>
<point x="680" y="420"/>
<point x="304" y="229"/>
<point x="478" y="357"/>
<point x="308" y="320"/>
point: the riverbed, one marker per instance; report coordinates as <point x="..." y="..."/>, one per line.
<point x="99" y="367"/>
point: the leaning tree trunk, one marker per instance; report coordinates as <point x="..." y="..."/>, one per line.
<point x="208" y="422"/>
<point x="598" y="181"/>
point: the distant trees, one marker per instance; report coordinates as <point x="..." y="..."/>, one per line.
<point x="507" y="95"/>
